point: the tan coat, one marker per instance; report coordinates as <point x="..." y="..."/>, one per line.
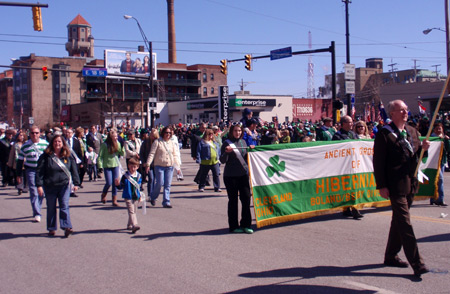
<point x="163" y="153"/>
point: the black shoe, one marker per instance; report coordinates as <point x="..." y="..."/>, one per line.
<point x="396" y="262"/>
<point x="356" y="214"/>
<point x="19" y="192"/>
<point x="73" y="195"/>
<point x="439" y="203"/>
<point x="81" y="187"/>
<point x="347" y="212"/>
<point x="153" y="202"/>
<point x="421" y="270"/>
<point x="167" y="206"/>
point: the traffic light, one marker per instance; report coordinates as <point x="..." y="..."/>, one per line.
<point x="338" y="104"/>
<point x="248" y="61"/>
<point x="223" y="66"/>
<point x="44" y="73"/>
<point x="37" y="18"/>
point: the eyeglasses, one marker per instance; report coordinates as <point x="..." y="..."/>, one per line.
<point x="358" y="127"/>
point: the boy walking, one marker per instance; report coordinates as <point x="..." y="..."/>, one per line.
<point x="130" y="183"/>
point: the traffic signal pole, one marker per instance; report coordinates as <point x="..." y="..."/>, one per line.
<point x="331" y="49"/>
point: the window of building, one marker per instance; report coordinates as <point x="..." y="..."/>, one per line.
<point x="212" y="90"/>
<point x="204" y="77"/>
<point x="177" y="76"/>
<point x="82" y="39"/>
<point x="205" y="91"/>
<point x="63" y="73"/>
<point x="63" y="88"/>
<point x="169" y="75"/>
<point x="82" y="30"/>
<point x="212" y="77"/>
<point x="169" y="89"/>
<point x="68" y="88"/>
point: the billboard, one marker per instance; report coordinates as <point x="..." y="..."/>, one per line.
<point x="129" y="63"/>
<point x="314" y="109"/>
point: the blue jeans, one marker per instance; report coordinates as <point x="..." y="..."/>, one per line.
<point x="62" y="194"/>
<point x="92" y="168"/>
<point x="163" y="177"/>
<point x="35" y="199"/>
<point x="110" y="175"/>
<point x="151" y="182"/>
<point x="204" y="169"/>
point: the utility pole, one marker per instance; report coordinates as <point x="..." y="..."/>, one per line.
<point x="415" y="70"/>
<point x="436" y="70"/>
<point x="392" y="70"/>
<point x="347" y="47"/>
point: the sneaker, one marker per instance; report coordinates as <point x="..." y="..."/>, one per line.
<point x="167" y="206"/>
<point x="201" y="190"/>
<point x="237" y="231"/>
<point x="37" y="219"/>
<point x="51" y="233"/>
<point x="218" y="190"/>
<point x="248" y="231"/>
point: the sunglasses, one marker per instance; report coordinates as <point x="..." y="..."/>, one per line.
<point x="34" y="133"/>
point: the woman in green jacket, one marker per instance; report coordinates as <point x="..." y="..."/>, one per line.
<point x="108" y="159"/>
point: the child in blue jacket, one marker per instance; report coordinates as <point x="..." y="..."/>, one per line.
<point x="130" y="183"/>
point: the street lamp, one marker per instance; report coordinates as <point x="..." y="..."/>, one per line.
<point x="427" y="31"/>
<point x="447" y="41"/>
<point x="148" y="45"/>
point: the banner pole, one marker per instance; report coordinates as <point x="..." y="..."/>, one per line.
<point x="430" y="129"/>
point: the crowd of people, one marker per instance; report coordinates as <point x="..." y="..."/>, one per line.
<point x="53" y="163"/>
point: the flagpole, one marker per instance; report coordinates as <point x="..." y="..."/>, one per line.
<point x="438" y="105"/>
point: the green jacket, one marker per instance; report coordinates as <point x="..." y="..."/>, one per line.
<point x="107" y="160"/>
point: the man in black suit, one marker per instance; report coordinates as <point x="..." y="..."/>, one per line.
<point x="396" y="156"/>
<point x="77" y="153"/>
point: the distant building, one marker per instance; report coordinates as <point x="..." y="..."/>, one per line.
<point x="80" y="41"/>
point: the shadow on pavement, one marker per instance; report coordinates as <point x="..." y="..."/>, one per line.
<point x="310" y="289"/>
<point x="9" y="236"/>
<point x="184" y="234"/>
<point x="24" y="219"/>
<point x="102" y="231"/>
<point x="326" y="271"/>
<point x="435" y="238"/>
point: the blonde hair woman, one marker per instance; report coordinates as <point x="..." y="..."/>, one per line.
<point x="360" y="128"/>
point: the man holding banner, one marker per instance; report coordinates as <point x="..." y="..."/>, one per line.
<point x="396" y="155"/>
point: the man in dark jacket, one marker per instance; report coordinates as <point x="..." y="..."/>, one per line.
<point x="396" y="154"/>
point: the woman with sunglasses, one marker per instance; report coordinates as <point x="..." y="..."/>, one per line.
<point x="164" y="156"/>
<point x="361" y="130"/>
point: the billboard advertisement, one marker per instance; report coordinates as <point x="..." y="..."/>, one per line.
<point x="314" y="109"/>
<point x="129" y="63"/>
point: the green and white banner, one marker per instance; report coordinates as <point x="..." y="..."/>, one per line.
<point x="301" y="180"/>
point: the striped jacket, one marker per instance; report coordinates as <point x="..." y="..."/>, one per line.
<point x="30" y="152"/>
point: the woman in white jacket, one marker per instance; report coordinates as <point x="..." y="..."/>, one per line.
<point x="165" y="156"/>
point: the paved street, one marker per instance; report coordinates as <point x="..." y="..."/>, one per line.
<point x="188" y="249"/>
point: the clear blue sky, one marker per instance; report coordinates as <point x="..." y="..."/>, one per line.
<point x="210" y="30"/>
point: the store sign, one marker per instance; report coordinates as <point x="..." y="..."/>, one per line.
<point x="224" y="104"/>
<point x="201" y="105"/>
<point x="238" y="102"/>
